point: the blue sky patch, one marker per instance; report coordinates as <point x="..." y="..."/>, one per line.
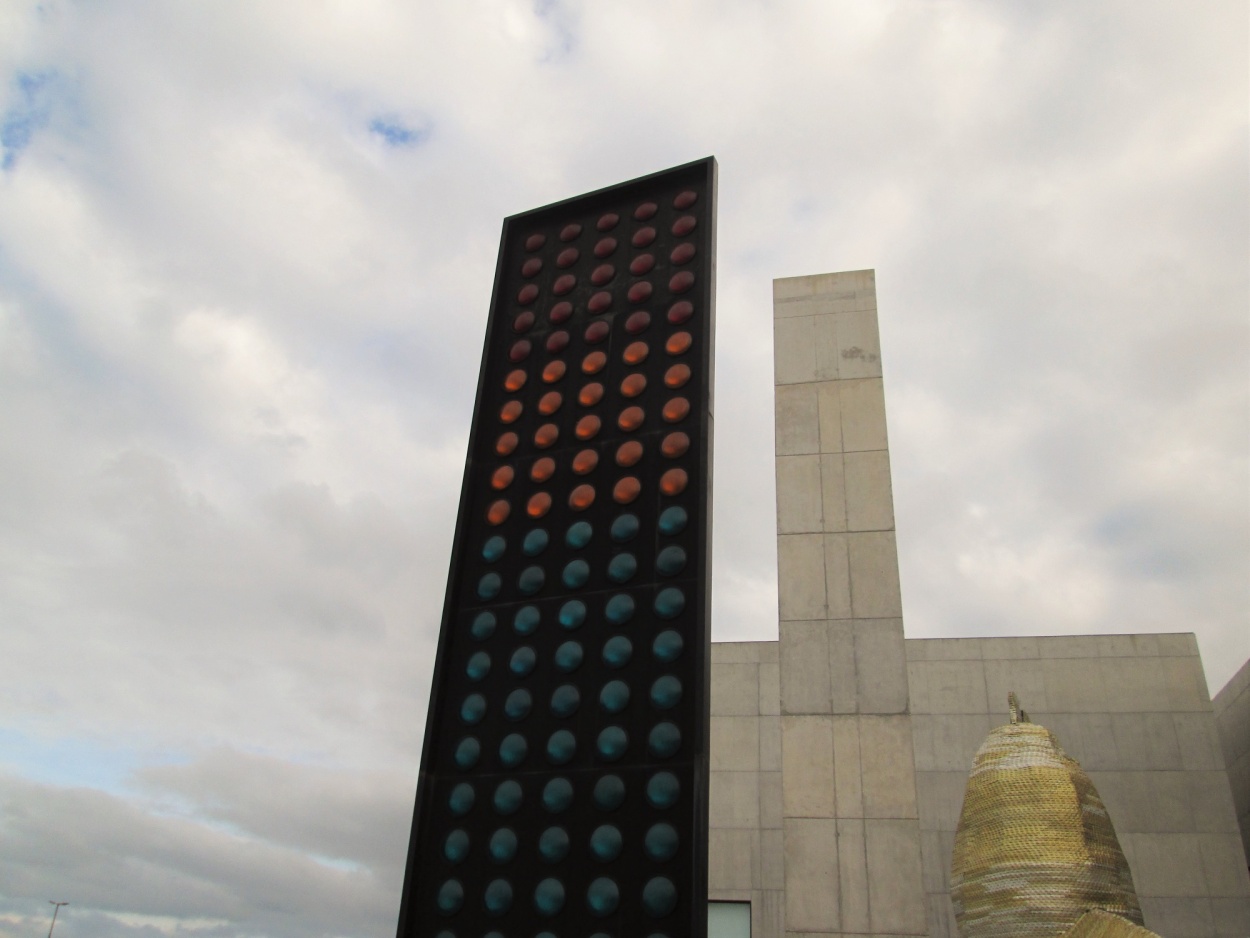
<point x="30" y="111"/>
<point x="396" y="133"/>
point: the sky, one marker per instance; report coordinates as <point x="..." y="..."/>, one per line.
<point x="246" y="254"/>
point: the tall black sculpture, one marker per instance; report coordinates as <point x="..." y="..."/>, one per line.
<point x="563" y="785"/>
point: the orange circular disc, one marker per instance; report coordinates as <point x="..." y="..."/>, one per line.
<point x="546" y="435"/>
<point x="630" y="419"/>
<point x="590" y="395"/>
<point x="582" y="497"/>
<point x="626" y="490"/>
<point x="673" y="482"/>
<point x="635" y="353"/>
<point x="554" y="371"/>
<point x="585" y="461"/>
<point x="498" y="512"/>
<point x="634" y="384"/>
<point x="677" y="376"/>
<point x="506" y="444"/>
<point x="587" y="427"/>
<point x="515" y="380"/>
<point x="676" y="409"/>
<point x="550" y="402"/>
<point x="539" y="504"/>
<point x="678" y="343"/>
<point x="593" y="363"/>
<point x="510" y="411"/>
<point x="675" y="444"/>
<point x="502" y="477"/>
<point x="628" y="453"/>
<point x="543" y="469"/>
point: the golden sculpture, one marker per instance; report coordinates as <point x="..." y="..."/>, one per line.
<point x="1035" y="849"/>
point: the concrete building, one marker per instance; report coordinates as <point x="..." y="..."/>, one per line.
<point x="839" y="753"/>
<point x="1232" y="716"/>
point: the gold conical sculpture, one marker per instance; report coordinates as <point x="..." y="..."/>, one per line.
<point x="1034" y="849"/>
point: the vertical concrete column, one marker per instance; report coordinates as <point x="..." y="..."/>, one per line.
<point x="850" y="823"/>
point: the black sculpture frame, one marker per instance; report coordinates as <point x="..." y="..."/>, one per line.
<point x="491" y="864"/>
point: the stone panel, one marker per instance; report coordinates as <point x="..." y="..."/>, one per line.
<point x="797" y="420"/>
<point x="874" y="584"/>
<point x="862" y="406"/>
<point x="733" y="859"/>
<point x="799" y="498"/>
<point x="853" y="876"/>
<point x="735" y="744"/>
<point x="895" y="898"/>
<point x="833" y="492"/>
<point x="847" y="767"/>
<point x="880" y="666"/>
<point x="735" y="689"/>
<point x="807" y="765"/>
<point x="794" y="350"/>
<point x="801" y="576"/>
<point x="869" y="498"/>
<point x="734" y="799"/>
<point x="812" y="886"/>
<point x="887" y="767"/>
<point x="804" y="672"/>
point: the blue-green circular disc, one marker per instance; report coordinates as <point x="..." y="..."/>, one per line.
<point x="578" y="534"/>
<point x="617" y="651"/>
<point x="461" y="799"/>
<point x="553" y="844"/>
<point x="670" y="561"/>
<point x="624" y="528"/>
<point x="663" y="790"/>
<point x="549" y="897"/>
<point x="620" y="609"/>
<point x="667" y="646"/>
<point x="450" y="897"/>
<point x="523" y="661"/>
<point x="614" y="697"/>
<point x="488" y="586"/>
<point x="526" y="620"/>
<point x="493" y="549"/>
<point x="665" y="692"/>
<point x="513" y="749"/>
<point x="670" y="602"/>
<point x="605" y="843"/>
<point x="672" y="520"/>
<point x="572" y="614"/>
<point x="609" y="792"/>
<point x="602" y="897"/>
<point x="612" y="743"/>
<point x="518" y="704"/>
<point x="456" y="846"/>
<point x="483" y="626"/>
<point x="558" y="795"/>
<point x="660" y="842"/>
<point x="498" y="897"/>
<point x="508" y="797"/>
<point x="468" y="751"/>
<point x="561" y="747"/>
<point x="569" y="656"/>
<point x="535" y="542"/>
<point x="659" y="897"/>
<point x="478" y="666"/>
<point x="576" y="574"/>
<point x="622" y="567"/>
<point x="531" y="580"/>
<point x="565" y="700"/>
<point x="503" y="845"/>
<point x="664" y="740"/>
<point x="473" y="709"/>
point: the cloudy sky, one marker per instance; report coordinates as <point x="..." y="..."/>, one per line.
<point x="246" y="253"/>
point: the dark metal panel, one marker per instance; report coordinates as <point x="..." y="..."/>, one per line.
<point x="573" y="577"/>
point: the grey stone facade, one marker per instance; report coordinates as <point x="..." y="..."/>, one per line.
<point x="840" y="752"/>
<point x="1232" y="717"/>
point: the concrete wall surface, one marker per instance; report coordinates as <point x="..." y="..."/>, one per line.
<point x="745" y="840"/>
<point x="1232" y="718"/>
<point x="1134" y="711"/>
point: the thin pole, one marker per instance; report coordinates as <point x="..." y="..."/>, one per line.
<point x="54" y="911"/>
